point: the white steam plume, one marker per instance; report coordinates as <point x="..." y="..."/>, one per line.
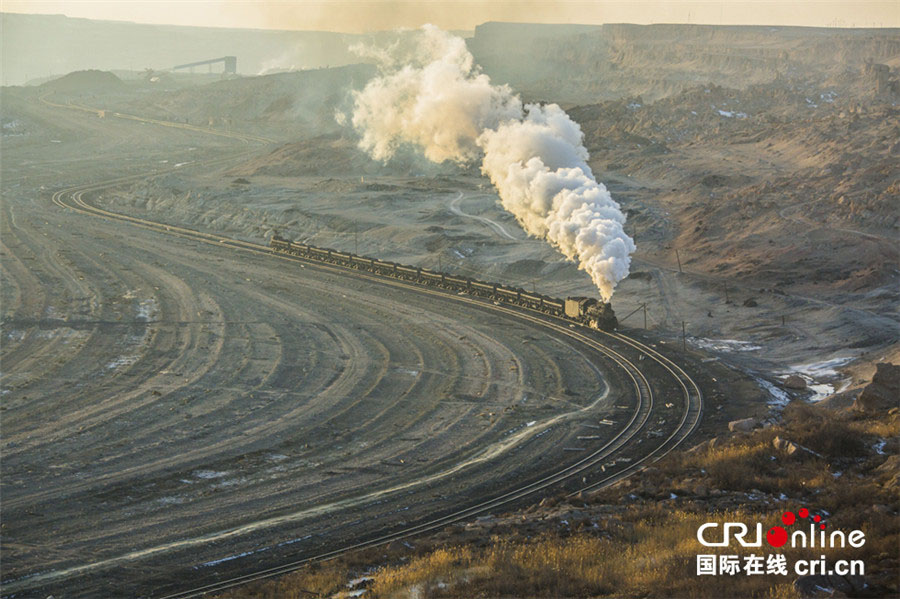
<point x="432" y="96"/>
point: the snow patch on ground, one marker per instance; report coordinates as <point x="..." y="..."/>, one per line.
<point x="172" y="499"/>
<point x="209" y="474"/>
<point x="358" y="581"/>
<point x="822" y="378"/>
<point x="228" y="559"/>
<point x="723" y="345"/>
<point x="821" y="391"/>
<point x="15" y="335"/>
<point x="14" y="128"/>
<point x="230" y="483"/>
<point x="777" y="396"/>
<point x="822" y="369"/>
<point x="408" y="371"/>
<point x="732" y="115"/>
<point x="122" y="361"/>
<point x="146" y="309"/>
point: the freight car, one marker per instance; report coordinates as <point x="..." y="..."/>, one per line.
<point x="587" y="311"/>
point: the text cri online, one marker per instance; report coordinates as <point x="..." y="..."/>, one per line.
<point x="800" y="538"/>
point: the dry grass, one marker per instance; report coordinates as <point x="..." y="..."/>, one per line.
<point x="654" y="558"/>
<point x="319" y="581"/>
<point x="647" y="548"/>
<point x="843" y="442"/>
<point x="439" y="565"/>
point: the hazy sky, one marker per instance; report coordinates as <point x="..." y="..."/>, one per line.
<point x="363" y="15"/>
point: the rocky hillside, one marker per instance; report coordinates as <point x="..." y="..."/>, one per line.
<point x="584" y="65"/>
<point x="790" y="184"/>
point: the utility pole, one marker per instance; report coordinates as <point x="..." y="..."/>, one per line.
<point x="356" y="237"/>
<point x="683" y="338"/>
<point x="645" y="315"/>
<point x="440" y="268"/>
<point x="678" y="257"/>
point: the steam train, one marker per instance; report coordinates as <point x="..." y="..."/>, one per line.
<point x="586" y="311"/>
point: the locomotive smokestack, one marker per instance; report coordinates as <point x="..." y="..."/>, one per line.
<point x="431" y="95"/>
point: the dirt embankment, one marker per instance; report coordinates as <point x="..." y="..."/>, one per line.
<point x="85" y="81"/>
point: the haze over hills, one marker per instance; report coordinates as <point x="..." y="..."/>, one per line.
<point x="574" y="64"/>
<point x="583" y="64"/>
<point x="37" y="46"/>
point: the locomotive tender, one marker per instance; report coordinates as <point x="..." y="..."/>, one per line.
<point x="586" y="311"/>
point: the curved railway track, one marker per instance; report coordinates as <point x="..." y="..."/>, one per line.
<point x="614" y="346"/>
<point x="690" y="395"/>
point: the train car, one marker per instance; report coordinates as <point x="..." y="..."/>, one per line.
<point x="591" y="312"/>
<point x="407" y="271"/>
<point x="363" y="263"/>
<point x="382" y="267"/>
<point x="508" y="295"/>
<point x="582" y="310"/>
<point x="554" y="306"/>
<point x="532" y="300"/>
<point x="280" y="244"/>
<point x="483" y="289"/>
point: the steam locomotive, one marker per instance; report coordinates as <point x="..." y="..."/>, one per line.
<point x="586" y="311"/>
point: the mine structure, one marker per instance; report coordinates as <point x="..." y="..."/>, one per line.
<point x="229" y="62"/>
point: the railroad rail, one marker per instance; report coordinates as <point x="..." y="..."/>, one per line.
<point x="690" y="395"/>
<point x="538" y="310"/>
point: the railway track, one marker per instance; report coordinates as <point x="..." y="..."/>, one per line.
<point x="612" y="345"/>
<point x="690" y="396"/>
